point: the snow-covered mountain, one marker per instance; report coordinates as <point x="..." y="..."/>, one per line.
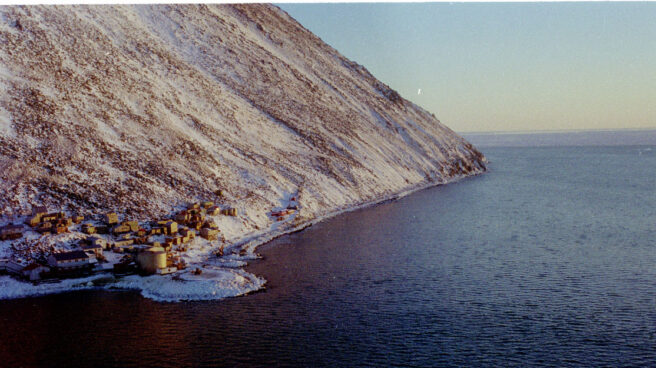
<point x="138" y="109"/>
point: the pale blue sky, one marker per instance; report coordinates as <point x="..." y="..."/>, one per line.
<point x="504" y="66"/>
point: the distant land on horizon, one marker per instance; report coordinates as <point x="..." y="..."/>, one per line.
<point x="606" y="137"/>
<point x="548" y="131"/>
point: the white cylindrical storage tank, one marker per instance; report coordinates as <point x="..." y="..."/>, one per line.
<point x="152" y="259"/>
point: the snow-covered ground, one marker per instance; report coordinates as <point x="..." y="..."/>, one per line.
<point x="142" y="109"/>
<point x="213" y="283"/>
<point x="221" y="277"/>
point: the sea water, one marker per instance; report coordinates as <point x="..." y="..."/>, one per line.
<point x="549" y="259"/>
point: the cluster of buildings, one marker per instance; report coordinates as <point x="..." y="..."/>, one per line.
<point x="42" y="222"/>
<point x="154" y="247"/>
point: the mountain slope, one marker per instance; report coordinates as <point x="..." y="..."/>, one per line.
<point x="142" y="108"/>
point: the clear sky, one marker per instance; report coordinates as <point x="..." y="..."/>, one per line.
<point x="504" y="66"/>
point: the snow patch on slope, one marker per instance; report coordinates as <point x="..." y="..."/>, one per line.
<point x="141" y="109"/>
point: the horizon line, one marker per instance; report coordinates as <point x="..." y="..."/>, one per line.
<point x="551" y="131"/>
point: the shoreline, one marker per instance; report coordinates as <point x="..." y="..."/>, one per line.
<point x="230" y="278"/>
<point x="252" y="242"/>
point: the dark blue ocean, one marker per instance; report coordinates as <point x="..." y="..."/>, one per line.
<point x="549" y="259"/>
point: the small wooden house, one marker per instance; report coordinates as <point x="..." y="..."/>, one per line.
<point x="213" y="211"/>
<point x="66" y="221"/>
<point x="133" y="225"/>
<point x="34" y="220"/>
<point x="187" y="232"/>
<point x="111" y="218"/>
<point x="182" y="217"/>
<point x="59" y="229"/>
<point x="37" y="213"/>
<point x="209" y="234"/>
<point x="171" y="228"/>
<point x="229" y="212"/>
<point x="120" y="229"/>
<point x="176" y="240"/>
<point x="210" y="224"/>
<point x="123" y="243"/>
<point x="155" y="231"/>
<point x="88" y="229"/>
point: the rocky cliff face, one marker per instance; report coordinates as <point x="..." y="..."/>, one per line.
<point x="141" y="108"/>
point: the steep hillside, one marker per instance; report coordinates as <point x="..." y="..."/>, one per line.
<point x="139" y="109"/>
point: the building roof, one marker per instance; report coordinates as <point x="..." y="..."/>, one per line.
<point x="67" y="256"/>
<point x="155" y="250"/>
<point x="92" y="246"/>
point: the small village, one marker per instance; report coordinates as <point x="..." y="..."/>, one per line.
<point x="107" y="244"/>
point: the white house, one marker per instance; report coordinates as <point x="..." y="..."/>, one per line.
<point x="69" y="260"/>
